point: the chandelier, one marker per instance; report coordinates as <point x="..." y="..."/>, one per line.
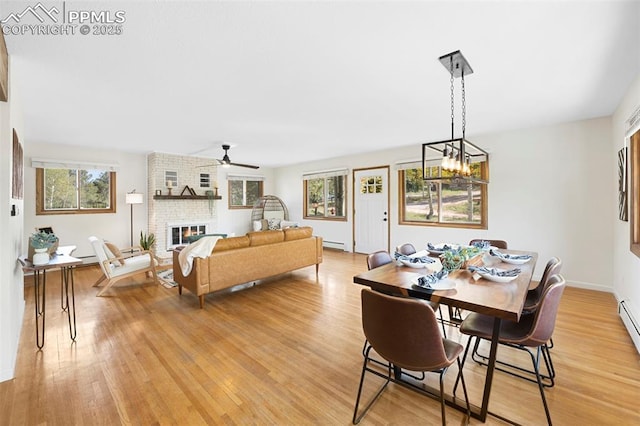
<point x="455" y="159"/>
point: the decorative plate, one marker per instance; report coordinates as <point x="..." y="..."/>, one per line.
<point x="410" y="264"/>
<point x="445" y="284"/>
<point x="497" y="278"/>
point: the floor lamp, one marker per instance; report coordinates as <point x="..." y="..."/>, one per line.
<point x="133" y="197"/>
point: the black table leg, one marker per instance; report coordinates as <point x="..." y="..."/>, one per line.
<point x="63" y="302"/>
<point x="490" y="369"/>
<point x="40" y="304"/>
<point x="69" y="306"/>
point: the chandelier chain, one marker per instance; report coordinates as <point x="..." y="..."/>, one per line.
<point x="452" y="97"/>
<point x="464" y="109"/>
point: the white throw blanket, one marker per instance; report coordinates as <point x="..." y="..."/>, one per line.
<point x="201" y="248"/>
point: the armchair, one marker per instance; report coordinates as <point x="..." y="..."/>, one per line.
<point x="116" y="266"/>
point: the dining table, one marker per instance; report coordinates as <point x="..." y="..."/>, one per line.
<point x="466" y="291"/>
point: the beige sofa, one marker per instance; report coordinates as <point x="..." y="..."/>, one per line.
<point x="251" y="257"/>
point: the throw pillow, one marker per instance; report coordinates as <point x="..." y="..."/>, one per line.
<point x="274" y="224"/>
<point x="257" y="225"/>
<point x="115" y="251"/>
<point x="288" y="224"/>
<point x="265" y="225"/>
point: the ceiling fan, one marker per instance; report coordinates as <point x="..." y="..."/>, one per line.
<point x="226" y="161"/>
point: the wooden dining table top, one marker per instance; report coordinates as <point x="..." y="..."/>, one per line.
<point x="501" y="300"/>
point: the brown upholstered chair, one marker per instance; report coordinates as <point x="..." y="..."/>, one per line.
<point x="406" y="249"/>
<point x="405" y="333"/>
<point x="532" y="331"/>
<point x="553" y="267"/>
<point x="501" y="244"/>
<point x="382" y="257"/>
<point x="378" y="258"/>
<point x="534" y="297"/>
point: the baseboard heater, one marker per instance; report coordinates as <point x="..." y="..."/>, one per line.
<point x="630" y="322"/>
<point x="333" y="245"/>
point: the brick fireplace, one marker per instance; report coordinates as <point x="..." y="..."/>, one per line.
<point x="171" y="217"/>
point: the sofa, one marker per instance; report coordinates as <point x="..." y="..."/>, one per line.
<point x="251" y="257"/>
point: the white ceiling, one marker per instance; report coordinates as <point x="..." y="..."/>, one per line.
<point x="287" y="82"/>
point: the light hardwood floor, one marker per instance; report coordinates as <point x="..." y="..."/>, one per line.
<point x="287" y="351"/>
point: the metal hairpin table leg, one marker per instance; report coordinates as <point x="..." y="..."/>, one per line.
<point x="67" y="279"/>
<point x="40" y="304"/>
<point x="63" y="302"/>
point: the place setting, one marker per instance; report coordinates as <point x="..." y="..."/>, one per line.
<point x="438" y="249"/>
<point x="495" y="274"/>
<point x="434" y="281"/>
<point x="417" y="260"/>
<point x="513" y="259"/>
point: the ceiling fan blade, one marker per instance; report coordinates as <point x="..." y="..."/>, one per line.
<point x="249" y="166"/>
<point x="217" y="163"/>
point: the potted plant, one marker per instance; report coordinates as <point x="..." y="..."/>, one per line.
<point x="147" y="241"/>
<point x="41" y="242"/>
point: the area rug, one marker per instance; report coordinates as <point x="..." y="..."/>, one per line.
<point x="166" y="278"/>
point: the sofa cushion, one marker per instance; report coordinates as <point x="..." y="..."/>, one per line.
<point x="265" y="237"/>
<point x="297" y="233"/>
<point x="231" y="243"/>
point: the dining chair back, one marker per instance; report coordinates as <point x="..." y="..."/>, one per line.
<point x="405" y="333"/>
<point x="501" y="244"/>
<point x="378" y="258"/>
<point x="532" y="331"/>
<point x="534" y="295"/>
<point x="406" y="249"/>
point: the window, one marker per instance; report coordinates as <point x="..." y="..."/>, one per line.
<point x="325" y="195"/>
<point x="244" y="191"/>
<point x="205" y="180"/>
<point x="75" y="191"/>
<point x="447" y="203"/>
<point x="171" y="177"/>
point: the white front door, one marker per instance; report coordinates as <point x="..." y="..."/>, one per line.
<point x="371" y="210"/>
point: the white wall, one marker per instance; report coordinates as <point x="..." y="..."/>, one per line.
<point x="626" y="266"/>
<point x="11" y="228"/>
<point x="550" y="192"/>
<point x="238" y="221"/>
<point x="75" y="229"/>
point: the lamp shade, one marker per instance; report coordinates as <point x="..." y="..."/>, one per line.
<point x="134" y="198"/>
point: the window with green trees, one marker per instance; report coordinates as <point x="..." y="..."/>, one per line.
<point x="73" y="191"/>
<point x="244" y="191"/>
<point x="325" y="197"/>
<point x="446" y="203"/>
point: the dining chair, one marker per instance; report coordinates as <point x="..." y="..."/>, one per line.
<point x="405" y="333"/>
<point x="534" y="297"/>
<point x="501" y="244"/>
<point x="406" y="249"/>
<point x="383" y="257"/>
<point x="378" y="258"/>
<point x="532" y="331"/>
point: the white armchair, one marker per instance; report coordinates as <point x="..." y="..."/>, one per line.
<point x="116" y="266"/>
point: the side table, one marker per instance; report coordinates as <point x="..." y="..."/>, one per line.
<point x="63" y="260"/>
